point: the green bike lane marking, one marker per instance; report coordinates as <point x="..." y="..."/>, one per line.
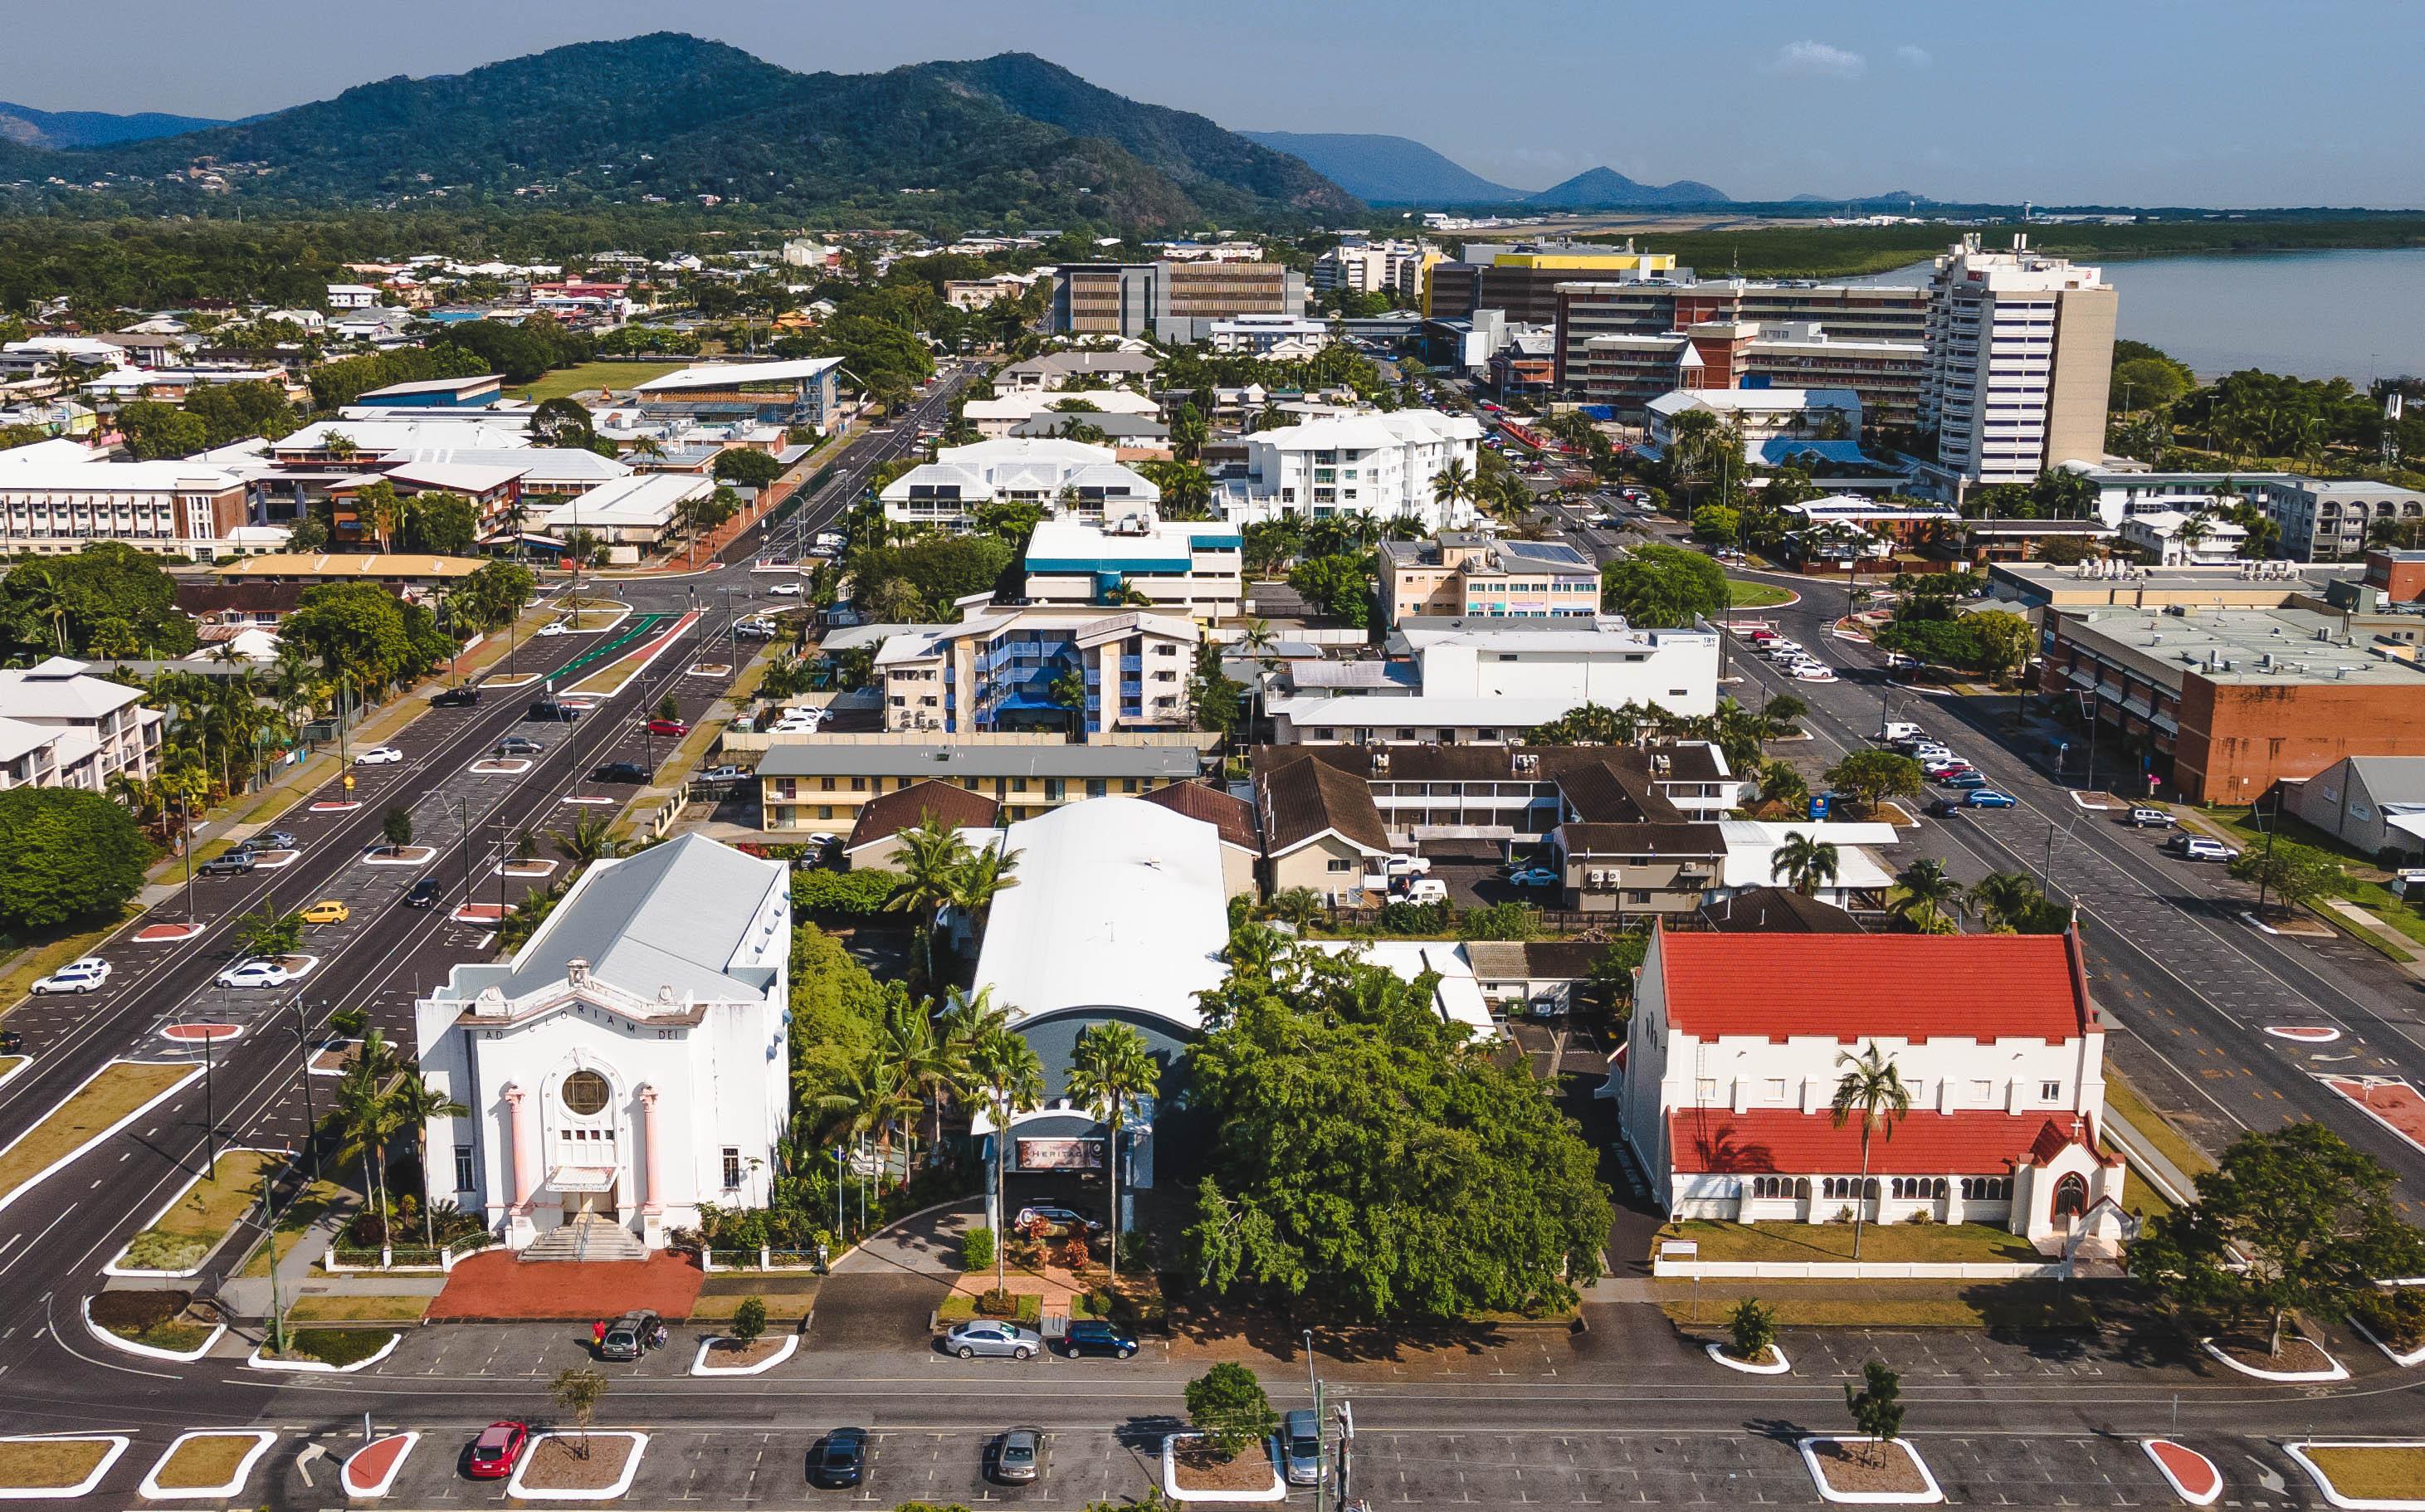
<point x="641" y="625"/>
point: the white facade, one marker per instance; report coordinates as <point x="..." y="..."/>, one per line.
<point x="1761" y="414"/>
<point x="1604" y="662"/>
<point x="59" y="506"/>
<point x="1192" y="566"/>
<point x="1369" y="268"/>
<point x="2322" y="520"/>
<point x="1261" y="335"/>
<point x="1031" y="470"/>
<point x="998" y="417"/>
<point x="2166" y="536"/>
<point x="352" y="297"/>
<point x="60" y="727"/>
<point x="2004" y="329"/>
<point x="1736" y="1047"/>
<point x="630" y="1063"/>
<point x="1378" y="464"/>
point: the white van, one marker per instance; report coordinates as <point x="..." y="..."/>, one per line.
<point x="1899" y="730"/>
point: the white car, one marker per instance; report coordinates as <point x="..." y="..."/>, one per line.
<point x="75" y="976"/>
<point x="1406" y="865"/>
<point x="1939" y="765"/>
<point x="1813" y="672"/>
<point x="254" y="973"/>
<point x="378" y="756"/>
<point x="785" y="591"/>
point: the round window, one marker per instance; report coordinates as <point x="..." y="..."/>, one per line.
<point x="586" y="1092"/>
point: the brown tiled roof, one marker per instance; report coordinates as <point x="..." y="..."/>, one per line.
<point x="1608" y="791"/>
<point x="1233" y="817"/>
<point x="1541" y="959"/>
<point x="1301" y="799"/>
<point x="1778" y="911"/>
<point x="253" y="598"/>
<point x="1642" y="839"/>
<point x="883" y="818"/>
<point x="1468" y="764"/>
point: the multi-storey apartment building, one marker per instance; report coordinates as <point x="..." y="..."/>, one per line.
<point x="1046" y="470"/>
<point x="1459" y="573"/>
<point x="62" y="727"/>
<point x="1379" y="464"/>
<point x="1003" y="667"/>
<point x="52" y="508"/>
<point x="1398" y="267"/>
<point x="2021" y="358"/>
<point x="1181" y="565"/>
<point x="823" y="784"/>
<point x="2322" y="520"/>
<point x="1170" y="301"/>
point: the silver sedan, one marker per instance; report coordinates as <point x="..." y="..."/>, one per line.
<point x="970" y="1340"/>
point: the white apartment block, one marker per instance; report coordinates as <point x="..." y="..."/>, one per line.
<point x="2021" y="356"/>
<point x="57" y="503"/>
<point x="1371" y="267"/>
<point x="1381" y="464"/>
<point x="2322" y="520"/>
<point x="1738" y="1042"/>
<point x="997" y="669"/>
<point x="1268" y="335"/>
<point x="60" y="727"/>
<point x="1064" y="476"/>
<point x="2168" y="536"/>
<point x="1177" y="565"/>
<point x="997" y="417"/>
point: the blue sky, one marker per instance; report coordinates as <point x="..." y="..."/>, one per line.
<point x="2147" y="102"/>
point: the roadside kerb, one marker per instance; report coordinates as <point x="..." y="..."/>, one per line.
<point x="193" y="1074"/>
<point x="113" y="1268"/>
<point x="117" y="1442"/>
<point x="1847" y="1270"/>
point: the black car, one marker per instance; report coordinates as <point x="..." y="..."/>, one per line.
<point x="1092" y="1337"/>
<point x="462" y="698"/>
<point x="1946" y="808"/>
<point x="840" y="1460"/>
<point x="234" y="863"/>
<point x="424" y="894"/>
<point x="11" y="1042"/>
<point x="519" y="746"/>
<point x="619" y="772"/>
<point x="630" y="1336"/>
<point x="551" y="711"/>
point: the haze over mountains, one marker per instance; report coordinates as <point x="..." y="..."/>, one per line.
<point x="89" y="128"/>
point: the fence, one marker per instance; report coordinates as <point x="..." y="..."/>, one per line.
<point x="1845" y="1270"/>
<point x="764" y="1258"/>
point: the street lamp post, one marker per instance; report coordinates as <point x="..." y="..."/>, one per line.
<point x="210" y="1109"/>
<point x="1314" y="1383"/>
<point x="186" y="823"/>
<point x="463" y="814"/>
<point x="303" y="1068"/>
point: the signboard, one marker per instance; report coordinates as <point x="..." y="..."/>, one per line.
<point x="1060" y="1154"/>
<point x="1817" y="806"/>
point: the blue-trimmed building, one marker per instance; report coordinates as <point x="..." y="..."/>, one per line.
<point x="1138" y="562"/>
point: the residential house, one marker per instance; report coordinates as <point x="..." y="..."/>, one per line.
<point x="60" y="727"/>
<point x="2375" y="805"/>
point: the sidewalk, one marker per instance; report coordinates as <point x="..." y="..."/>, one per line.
<point x="2357" y="918"/>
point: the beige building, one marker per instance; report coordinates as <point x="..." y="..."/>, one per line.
<point x="1463" y="574"/>
<point x="60" y="727"/>
<point x="997" y="669"/>
<point x="820" y="785"/>
<point x="2021" y="358"/>
<point x="1320" y="830"/>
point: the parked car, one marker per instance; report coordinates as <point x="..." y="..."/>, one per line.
<point x="328" y="911"/>
<point x="378" y="756"/>
<point x="632" y="1335"/>
<point x="1092" y="1335"/>
<point x="1763" y="638"/>
<point x="258" y="972"/>
<point x="1946" y="808"/>
<point x="1532" y="876"/>
<point x="723" y="774"/>
<point x="462" y="698"/>
<point x="1940" y="765"/>
<point x="2202" y="848"/>
<point x="986" y="1337"/>
<point x="785" y="591"/>
<point x="1813" y="672"/>
<point x="75" y="976"/>
<point x="424" y="893"/>
<point x="1426" y="890"/>
<point x="1058" y="1221"/>
<point x="548" y="711"/>
<point x="1925" y="751"/>
<point x="493" y="1454"/>
<point x="1988" y="797"/>
<point x="1018" y="1458"/>
<point x="2146" y="819"/>
<point x="519" y="746"/>
<point x="756" y="630"/>
<point x="840" y="1460"/>
<point x="1301" y="1447"/>
<point x="273" y="840"/>
<point x="667" y="726"/>
<point x="1406" y="865"/>
<point x="1895" y="731"/>
<point x="1964" y="780"/>
<point x="234" y="863"/>
<point x="619" y="772"/>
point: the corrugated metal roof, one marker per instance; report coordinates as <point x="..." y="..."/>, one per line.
<point x="674" y="915"/>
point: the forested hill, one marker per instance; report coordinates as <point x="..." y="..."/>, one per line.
<point x="668" y="118"/>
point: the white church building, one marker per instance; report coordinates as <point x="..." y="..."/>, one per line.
<point x="628" y="1064"/>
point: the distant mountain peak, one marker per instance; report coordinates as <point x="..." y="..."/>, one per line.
<point x="1386" y="169"/>
<point x="90" y="128"/>
<point x="1605" y="189"/>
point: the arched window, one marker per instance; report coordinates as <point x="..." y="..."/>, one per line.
<point x="1939" y="1188"/>
<point x="1802" y="1189"/>
<point x="1869" y="1190"/>
<point x="2071" y="1196"/>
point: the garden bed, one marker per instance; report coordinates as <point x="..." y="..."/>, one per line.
<point x="328" y="1349"/>
<point x="197" y="1221"/>
<point x="574" y="1466"/>
<point x="1944" y="1244"/>
<point x="159" y="1321"/>
<point x="731" y="1357"/>
<point x="2390" y="1476"/>
<point x="1194" y="1470"/>
<point x="1887" y="1472"/>
<point x="207" y="1465"/>
<point x="1770" y="1361"/>
<point x="2299" y="1359"/>
<point x="962" y="1307"/>
<point x="43" y="1468"/>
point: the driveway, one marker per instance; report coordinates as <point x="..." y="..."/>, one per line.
<point x="880" y="1294"/>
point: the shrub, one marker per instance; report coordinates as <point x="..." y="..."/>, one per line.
<point x="748" y="1320"/>
<point x="2395" y="1314"/>
<point x="1227" y="1406"/>
<point x="977" y="1250"/>
<point x="1753" y="1325"/>
<point x="1075" y="1254"/>
<point x="154" y="1251"/>
<point x="996" y="1303"/>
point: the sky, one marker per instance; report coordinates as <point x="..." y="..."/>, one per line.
<point x="2223" y="103"/>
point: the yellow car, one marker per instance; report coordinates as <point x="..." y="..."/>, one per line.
<point x="330" y="911"/>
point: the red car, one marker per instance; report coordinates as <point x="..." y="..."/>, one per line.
<point x="494" y="1454"/>
<point x="667" y="726"/>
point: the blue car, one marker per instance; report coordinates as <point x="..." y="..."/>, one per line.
<point x="1966" y="780"/>
<point x="1987" y="797"/>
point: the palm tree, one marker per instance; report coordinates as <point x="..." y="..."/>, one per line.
<point x="366" y="1111"/>
<point x="1453" y="485"/>
<point x="980" y="879"/>
<point x="867" y="1102"/>
<point x="1780" y="783"/>
<point x="2006" y="900"/>
<point x="1802" y="863"/>
<point x="416" y="1103"/>
<point x="1873" y="1089"/>
<point x="1110" y="1071"/>
<point x="1927" y="891"/>
<point x="931" y="860"/>
<point x="1013" y="1078"/>
<point x="592" y="840"/>
<point x="1188" y="434"/>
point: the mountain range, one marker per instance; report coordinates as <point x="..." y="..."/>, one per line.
<point x="673" y="117"/>
<point x="30" y="127"/>
<point x="1399" y="171"/>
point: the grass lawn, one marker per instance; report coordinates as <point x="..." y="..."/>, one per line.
<point x="116" y="1090"/>
<point x="2373" y="1474"/>
<point x="210" y="1461"/>
<point x="335" y="1347"/>
<point x="48" y="1464"/>
<point x="298" y="1216"/>
<point x="2373" y="897"/>
<point x="358" y="1309"/>
<point x="567" y="381"/>
<point x="158" y="1319"/>
<point x="2153" y="1126"/>
<point x="1973" y="1244"/>
<point x="202" y="1217"/>
<point x="45" y="950"/>
<point x="2017" y="1306"/>
<point x="788" y="1300"/>
<point x="9" y="1063"/>
<point x="1743" y="595"/>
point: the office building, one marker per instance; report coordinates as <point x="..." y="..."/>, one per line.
<point x="793" y="391"/>
<point x="1171" y="302"/>
<point x="1626" y="370"/>
<point x="2375" y="805"/>
<point x="1189" y="565"/>
<point x="57" y="505"/>
<point x="1522" y="278"/>
<point x="2020" y="357"/>
<point x="1479" y="576"/>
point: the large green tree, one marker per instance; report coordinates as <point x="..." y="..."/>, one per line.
<point x="65" y="854"/>
<point x="1368" y="1162"/>
<point x="1663" y="587"/>
<point x="363" y="631"/>
<point x="107" y="598"/>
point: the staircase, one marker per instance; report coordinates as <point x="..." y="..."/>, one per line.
<point x="587" y="1237"/>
